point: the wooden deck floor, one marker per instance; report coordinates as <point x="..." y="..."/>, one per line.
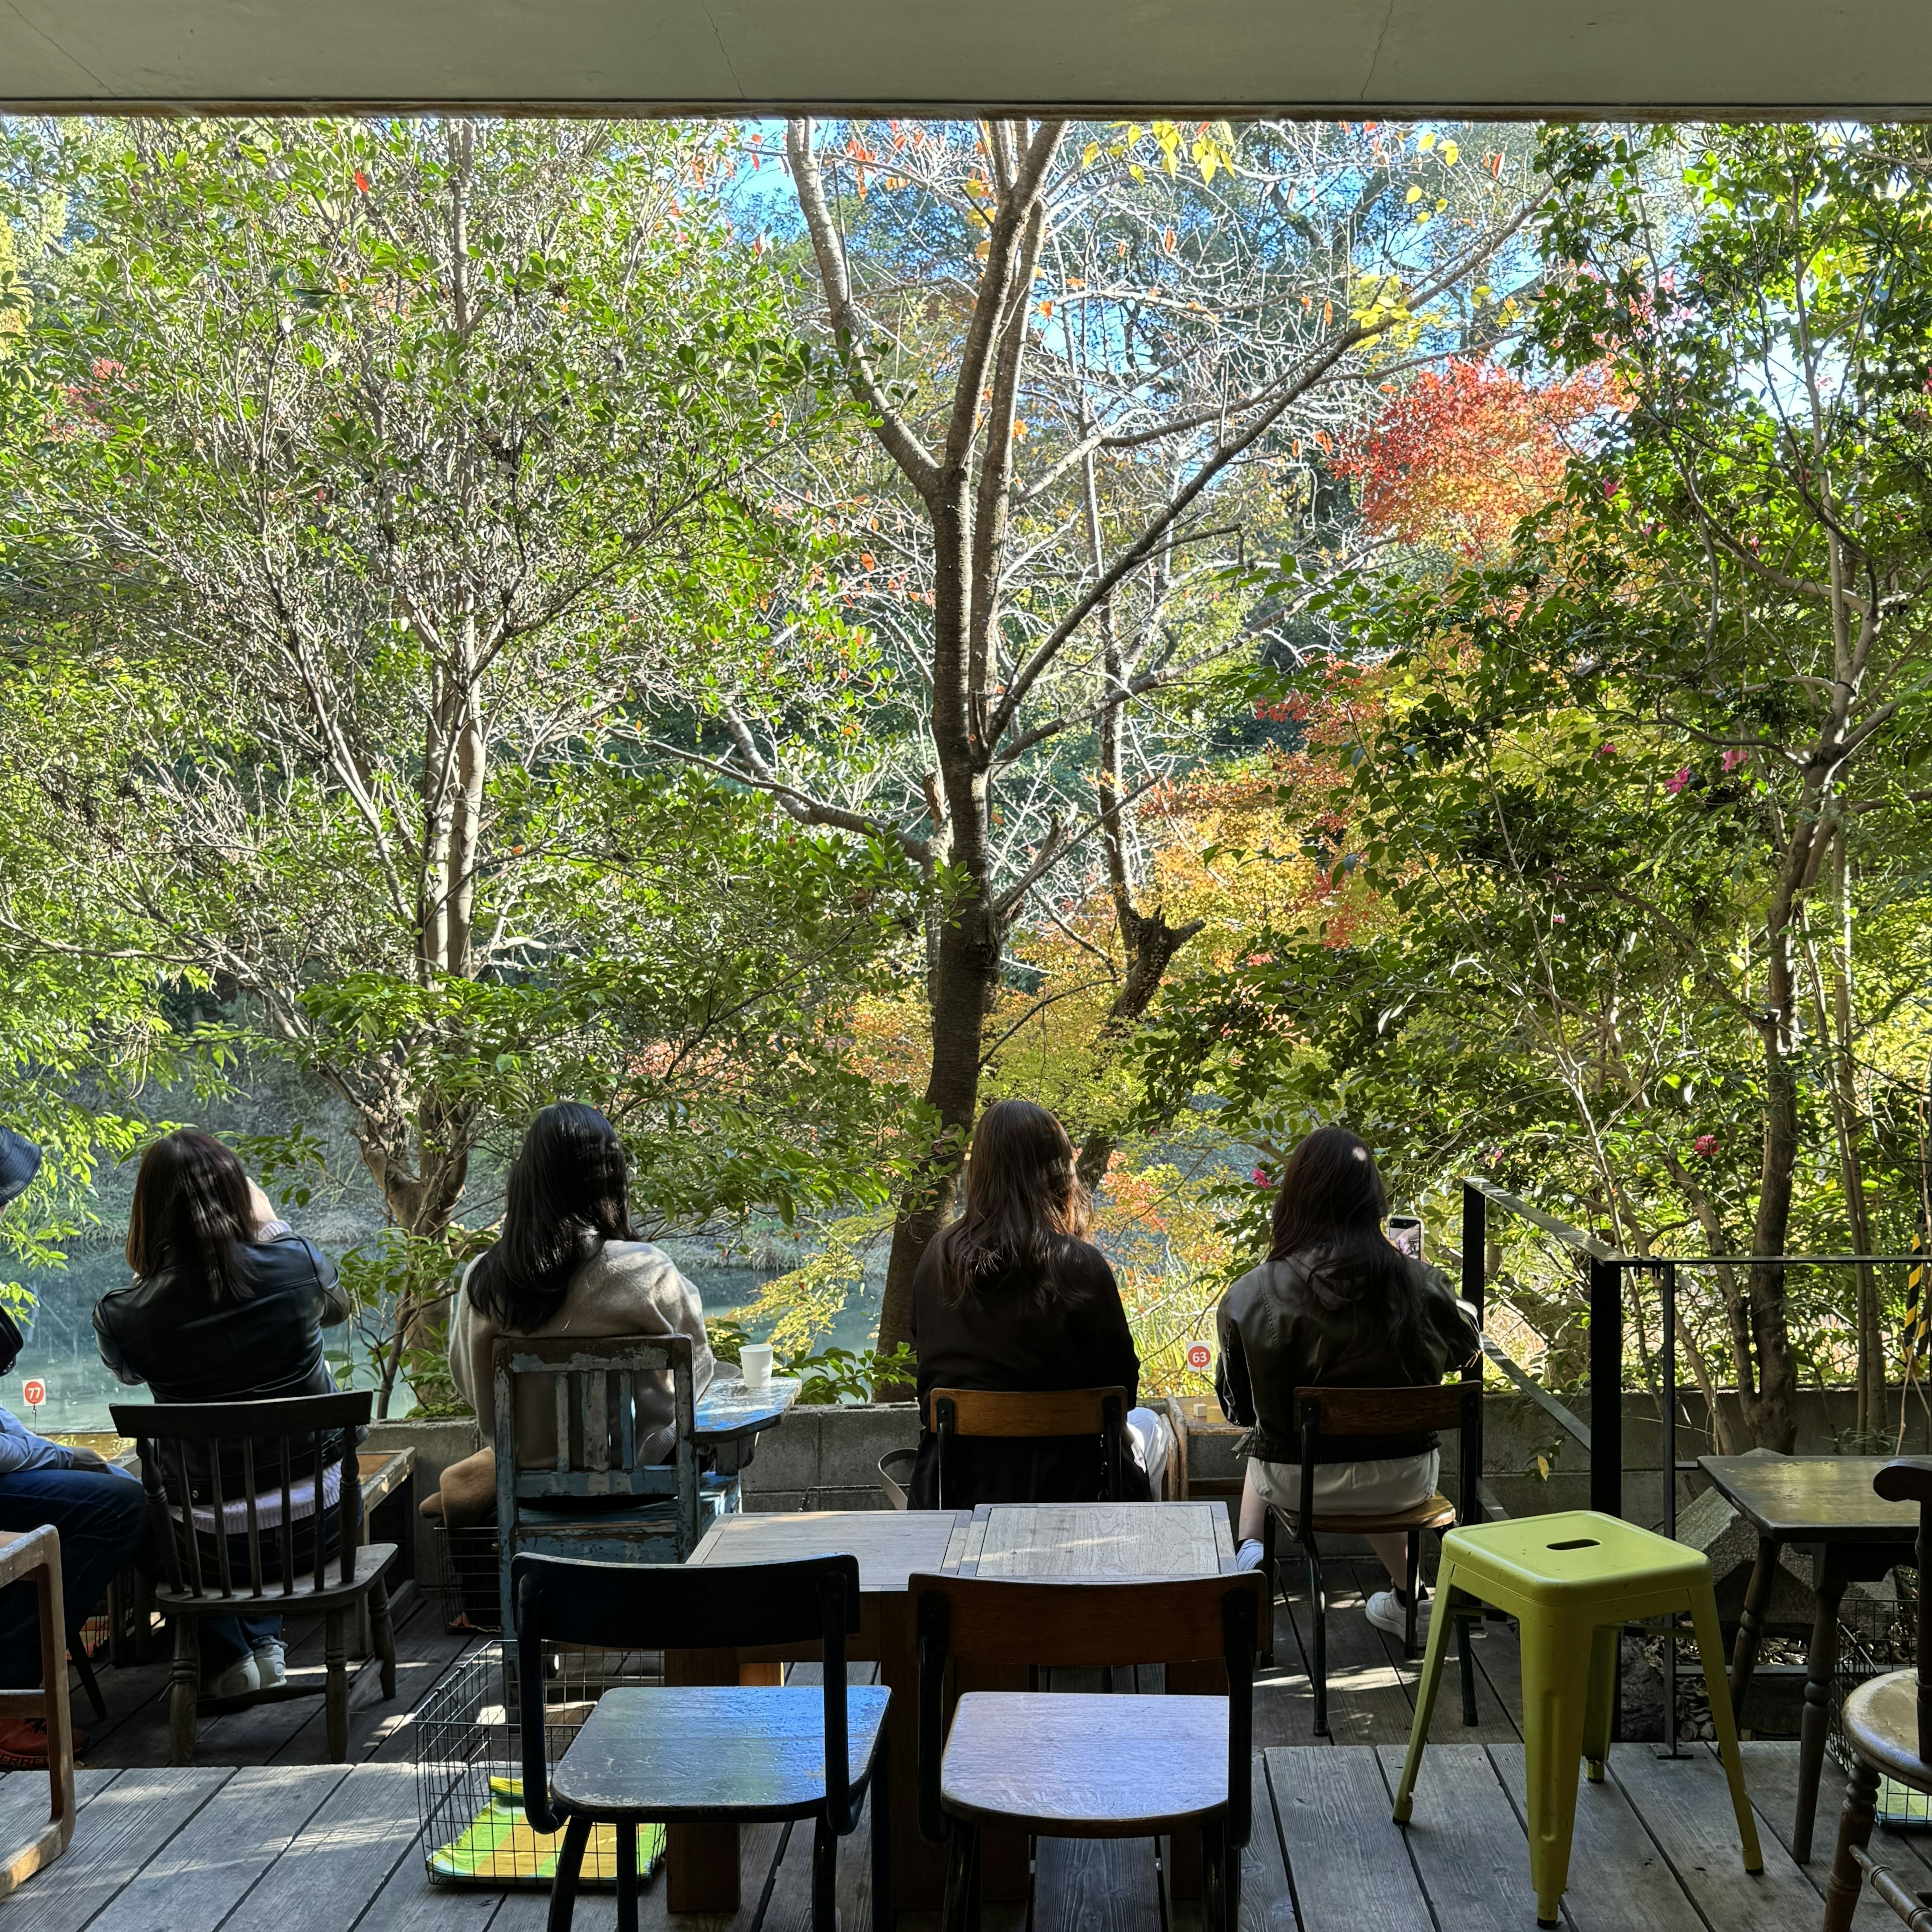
<point x="262" y="1835"/>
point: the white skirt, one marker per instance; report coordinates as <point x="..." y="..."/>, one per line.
<point x="1351" y="1488"/>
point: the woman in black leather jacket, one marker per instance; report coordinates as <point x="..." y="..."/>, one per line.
<point x="228" y="1304"/>
<point x="1335" y="1305"/>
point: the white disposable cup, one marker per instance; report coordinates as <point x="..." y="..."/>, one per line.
<point x="755" y="1363"/>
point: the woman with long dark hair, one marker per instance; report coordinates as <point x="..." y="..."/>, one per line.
<point x="1012" y="1296"/>
<point x="227" y="1304"/>
<point x="567" y="1263"/>
<point x="1335" y="1304"/>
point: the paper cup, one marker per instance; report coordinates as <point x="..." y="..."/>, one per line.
<point x="755" y="1363"/>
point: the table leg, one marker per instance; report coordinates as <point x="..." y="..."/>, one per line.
<point x="1750" y="1624"/>
<point x="1828" y="1580"/>
<point x="701" y="1861"/>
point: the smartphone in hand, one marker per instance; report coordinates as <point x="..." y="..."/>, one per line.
<point x="1405" y="1231"/>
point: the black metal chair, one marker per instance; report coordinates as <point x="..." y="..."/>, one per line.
<point x="1887" y="1724"/>
<point x="1076" y="1765"/>
<point x="1343" y="1425"/>
<point x="213" y="1471"/>
<point x="703" y="1754"/>
<point x="955" y="1414"/>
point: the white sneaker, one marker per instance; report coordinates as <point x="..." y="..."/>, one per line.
<point x="269" y="1667"/>
<point x="1386" y="1613"/>
<point x="237" y="1680"/>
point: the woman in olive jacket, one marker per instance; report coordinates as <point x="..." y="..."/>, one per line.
<point x="1335" y="1305"/>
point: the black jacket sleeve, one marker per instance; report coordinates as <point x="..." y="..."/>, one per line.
<point x="1231" y="1386"/>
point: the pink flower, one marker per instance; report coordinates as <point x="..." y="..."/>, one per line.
<point x="1735" y="756"/>
<point x="1556" y="919"/>
<point x="1676" y="783"/>
<point x="1606" y="751"/>
<point x="1261" y="1177"/>
<point x="1704" y="1144"/>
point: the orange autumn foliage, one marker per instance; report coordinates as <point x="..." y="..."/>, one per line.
<point x="1459" y="456"/>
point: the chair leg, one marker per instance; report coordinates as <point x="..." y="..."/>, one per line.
<point x="1271" y="1570"/>
<point x="563" y="1881"/>
<point x="1425" y="1696"/>
<point x="1711" y="1654"/>
<point x="1465" y="1656"/>
<point x="1318" y="1601"/>
<point x="962" y="1872"/>
<point x="627" y="1877"/>
<point x="382" y="1629"/>
<point x="1555" y="1699"/>
<point x="880" y="1794"/>
<point x="336" y="1698"/>
<point x="90" y="1684"/>
<point x="1214" y="1915"/>
<point x="824" y="1879"/>
<point x="1600" y="1706"/>
<point x="1413" y="1584"/>
<point x="1855" y="1830"/>
<point x="184" y="1689"/>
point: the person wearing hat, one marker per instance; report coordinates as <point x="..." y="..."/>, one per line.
<point x="100" y="1511"/>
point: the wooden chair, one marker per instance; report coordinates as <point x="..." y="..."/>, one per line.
<point x="36" y="1554"/>
<point x="1887" y="1724"/>
<point x="1332" y="1419"/>
<point x="703" y="1754"/>
<point x="279" y="1446"/>
<point x="1101" y="1413"/>
<point x="600" y="1501"/>
<point x="1065" y="1765"/>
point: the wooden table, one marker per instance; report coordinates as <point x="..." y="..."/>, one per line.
<point x="1098" y="1542"/>
<point x="890" y="1546"/>
<point x="1824" y="1504"/>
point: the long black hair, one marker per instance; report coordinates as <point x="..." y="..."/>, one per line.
<point x="567" y="1195"/>
<point x="1025" y="1207"/>
<point x="191" y="1213"/>
<point x="1328" y="1219"/>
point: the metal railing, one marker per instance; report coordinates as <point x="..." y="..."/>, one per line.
<point x="1603" y="1436"/>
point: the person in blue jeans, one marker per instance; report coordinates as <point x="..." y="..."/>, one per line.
<point x="99" y="1510"/>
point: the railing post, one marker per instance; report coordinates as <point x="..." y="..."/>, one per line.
<point x="1607" y="1387"/>
<point x="1475" y="1267"/>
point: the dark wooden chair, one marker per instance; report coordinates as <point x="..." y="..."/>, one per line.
<point x="191" y="1453"/>
<point x="703" y="1754"/>
<point x="34" y="1558"/>
<point x="1335" y="1422"/>
<point x="601" y="1501"/>
<point x="1072" y="1765"/>
<point x="1888" y="1725"/>
<point x="1100" y="1413"/>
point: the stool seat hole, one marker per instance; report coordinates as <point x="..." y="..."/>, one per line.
<point x="1576" y="1543"/>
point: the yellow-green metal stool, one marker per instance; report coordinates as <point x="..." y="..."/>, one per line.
<point x="1572" y="1581"/>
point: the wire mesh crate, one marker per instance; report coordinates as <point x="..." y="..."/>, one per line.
<point x="1875" y="1635"/>
<point x="457" y="1574"/>
<point x="468" y="1755"/>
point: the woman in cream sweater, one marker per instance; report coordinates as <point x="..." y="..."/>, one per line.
<point x="564" y="1264"/>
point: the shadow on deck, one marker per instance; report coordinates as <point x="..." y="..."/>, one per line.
<point x="261" y="1834"/>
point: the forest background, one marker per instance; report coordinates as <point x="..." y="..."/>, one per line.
<point x="792" y="633"/>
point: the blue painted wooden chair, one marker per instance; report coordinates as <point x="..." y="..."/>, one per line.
<point x="601" y="1501"/>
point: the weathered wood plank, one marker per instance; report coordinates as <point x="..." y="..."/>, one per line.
<point x="342" y="1856"/>
<point x="1091" y="1541"/>
<point x="1100" y="1885"/>
<point x="1686" y="1807"/>
<point x="1266" y="1903"/>
<point x="1771" y="1777"/>
<point x="1499" y="1664"/>
<point x="206" y="1868"/>
<point x="1494" y="1722"/>
<point x="1345" y="1854"/>
<point x="24" y="1799"/>
<point x="409" y="1903"/>
<point x="114" y="1836"/>
<point x="1620" y="1881"/>
<point x="1468" y="1845"/>
<point x="1367" y="1703"/>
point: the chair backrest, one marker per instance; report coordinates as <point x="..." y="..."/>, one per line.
<point x="1332" y="1418"/>
<point x="986" y="1621"/>
<point x="1101" y="1413"/>
<point x="271" y="1454"/>
<point x="625" y="1606"/>
<point x="1909" y="1479"/>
